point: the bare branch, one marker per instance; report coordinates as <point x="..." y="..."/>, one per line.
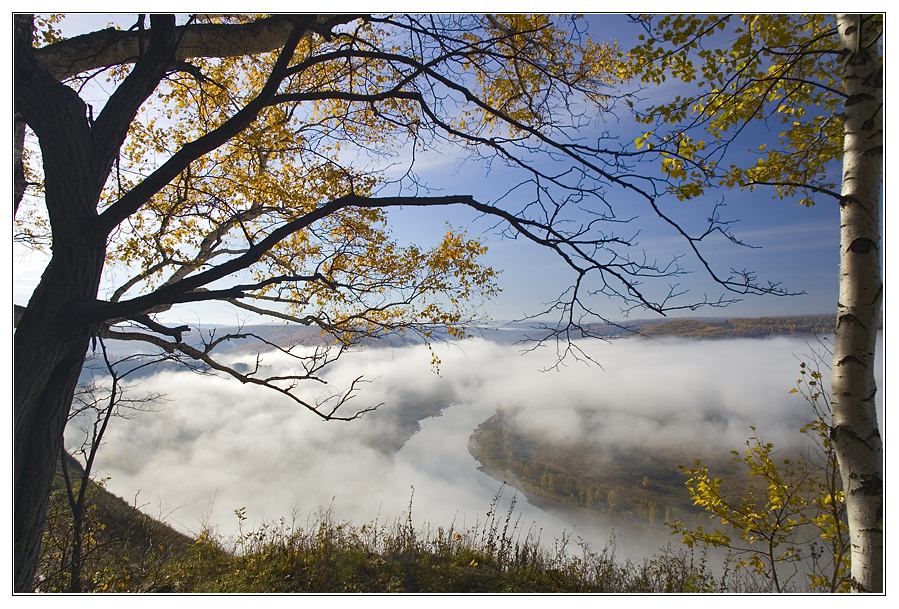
<point x="327" y="408"/>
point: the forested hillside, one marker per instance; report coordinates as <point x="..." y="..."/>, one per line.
<point x="644" y="487"/>
<point x="740" y="327"/>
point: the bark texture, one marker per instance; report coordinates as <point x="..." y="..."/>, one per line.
<point x="25" y="36"/>
<point x="855" y="434"/>
<point x="49" y="353"/>
<point x="50" y="344"/>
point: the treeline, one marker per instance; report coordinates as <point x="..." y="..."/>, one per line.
<point x="609" y="500"/>
<point x="741" y="327"/>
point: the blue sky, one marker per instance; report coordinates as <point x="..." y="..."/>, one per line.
<point x="798" y="245"/>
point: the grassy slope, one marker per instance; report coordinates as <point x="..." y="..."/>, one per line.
<point x="123" y="547"/>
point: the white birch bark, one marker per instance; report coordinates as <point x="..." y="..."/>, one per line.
<point x="855" y="433"/>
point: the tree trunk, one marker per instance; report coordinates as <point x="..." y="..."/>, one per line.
<point x="49" y="354"/>
<point x="77" y="153"/>
<point x="76" y="505"/>
<point x="52" y="337"/>
<point x="855" y="432"/>
<point x="50" y="340"/>
<point x="25" y="37"/>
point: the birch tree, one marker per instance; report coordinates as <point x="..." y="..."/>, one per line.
<point x="819" y="81"/>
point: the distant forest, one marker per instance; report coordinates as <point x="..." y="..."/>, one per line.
<point x="738" y="327"/>
<point x="639" y="487"/>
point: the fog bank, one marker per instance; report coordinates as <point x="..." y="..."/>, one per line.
<point x="217" y="445"/>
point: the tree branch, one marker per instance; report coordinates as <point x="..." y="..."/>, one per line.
<point x="140" y="194"/>
<point x="171" y="293"/>
<point x="111" y="47"/>
<point x="111" y="127"/>
<point x="316" y="362"/>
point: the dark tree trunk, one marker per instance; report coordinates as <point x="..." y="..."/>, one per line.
<point x="25" y="36"/>
<point x="53" y="335"/>
<point x="50" y="347"/>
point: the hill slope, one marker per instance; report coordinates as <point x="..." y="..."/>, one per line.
<point x="124" y="549"/>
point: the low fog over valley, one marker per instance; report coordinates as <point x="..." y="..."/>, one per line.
<point x="214" y="445"/>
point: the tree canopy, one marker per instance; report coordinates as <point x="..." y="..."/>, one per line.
<point x="273" y="169"/>
<point x="782" y="70"/>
